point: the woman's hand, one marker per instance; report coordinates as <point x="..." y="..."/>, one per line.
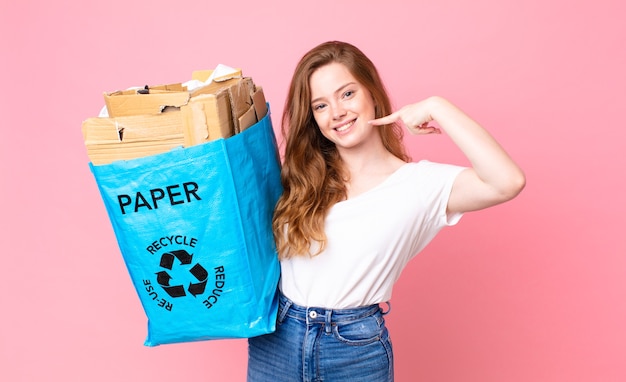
<point x="415" y="117"/>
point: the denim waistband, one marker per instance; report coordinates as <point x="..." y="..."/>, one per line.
<point x="286" y="307"/>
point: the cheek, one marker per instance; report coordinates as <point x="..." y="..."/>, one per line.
<point x="371" y="108"/>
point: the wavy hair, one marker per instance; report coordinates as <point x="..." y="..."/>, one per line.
<point x="313" y="174"/>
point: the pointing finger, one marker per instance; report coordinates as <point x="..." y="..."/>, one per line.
<point x="391" y="118"/>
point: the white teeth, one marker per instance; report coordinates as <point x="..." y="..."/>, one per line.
<point x="345" y="127"/>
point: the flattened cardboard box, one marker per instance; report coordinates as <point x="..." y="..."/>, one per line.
<point x="129" y="102"/>
<point x="130" y="137"/>
<point x="207" y="117"/>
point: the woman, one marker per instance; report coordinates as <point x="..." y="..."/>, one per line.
<point x="355" y="210"/>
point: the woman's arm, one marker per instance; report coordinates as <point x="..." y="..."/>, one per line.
<point x="493" y="177"/>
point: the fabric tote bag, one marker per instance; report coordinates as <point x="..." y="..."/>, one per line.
<point x="194" y="229"/>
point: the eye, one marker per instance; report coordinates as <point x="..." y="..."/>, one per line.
<point x="348" y="94"/>
<point x="319" y="106"/>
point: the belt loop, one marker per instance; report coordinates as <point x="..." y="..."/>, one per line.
<point x="388" y="309"/>
<point x="282" y="312"/>
<point x="329" y="315"/>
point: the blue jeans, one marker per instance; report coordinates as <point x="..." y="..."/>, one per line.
<point x="316" y="344"/>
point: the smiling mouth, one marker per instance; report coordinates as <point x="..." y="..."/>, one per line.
<point x="345" y="127"/>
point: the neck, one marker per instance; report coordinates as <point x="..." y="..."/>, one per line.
<point x="375" y="160"/>
<point x="364" y="172"/>
<point x="358" y="162"/>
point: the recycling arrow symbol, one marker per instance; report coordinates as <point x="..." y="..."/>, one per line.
<point x="197" y="270"/>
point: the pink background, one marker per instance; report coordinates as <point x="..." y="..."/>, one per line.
<point x="534" y="290"/>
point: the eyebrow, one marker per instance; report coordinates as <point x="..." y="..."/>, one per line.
<point x="336" y="91"/>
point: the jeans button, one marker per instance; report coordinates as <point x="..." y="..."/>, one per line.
<point x="312" y="314"/>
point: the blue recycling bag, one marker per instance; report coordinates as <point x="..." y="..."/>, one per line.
<point x="194" y="229"/>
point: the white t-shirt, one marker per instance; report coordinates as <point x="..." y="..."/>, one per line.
<point x="371" y="238"/>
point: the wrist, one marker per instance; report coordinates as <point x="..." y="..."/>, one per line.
<point x="438" y="107"/>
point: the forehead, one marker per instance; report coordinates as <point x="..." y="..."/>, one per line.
<point x="327" y="79"/>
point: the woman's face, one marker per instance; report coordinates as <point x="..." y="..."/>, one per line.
<point x="341" y="106"/>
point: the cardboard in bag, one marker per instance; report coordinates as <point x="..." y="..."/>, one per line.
<point x="259" y="103"/>
<point x="156" y="119"/>
<point x="131" y="102"/>
<point x="207" y="117"/>
<point x="130" y="137"/>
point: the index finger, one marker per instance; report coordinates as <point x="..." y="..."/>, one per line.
<point x="391" y="118"/>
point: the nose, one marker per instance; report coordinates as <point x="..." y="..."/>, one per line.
<point x="338" y="111"/>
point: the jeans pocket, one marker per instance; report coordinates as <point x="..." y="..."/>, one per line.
<point x="360" y="332"/>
